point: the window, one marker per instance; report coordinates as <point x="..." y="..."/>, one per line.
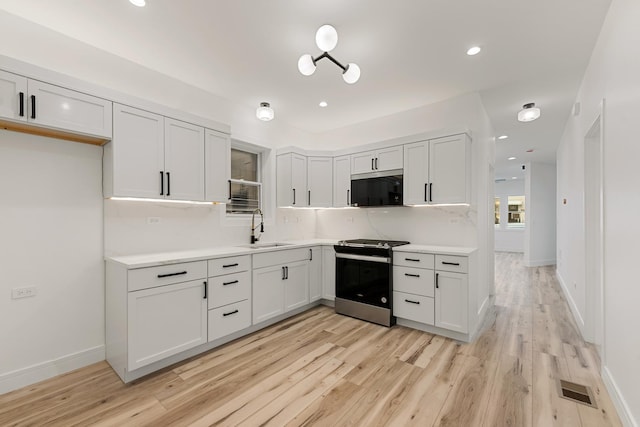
<point x="496" y="212"/>
<point x="245" y="184"/>
<point x="515" y="212"/>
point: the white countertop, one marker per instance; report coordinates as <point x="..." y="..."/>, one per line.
<point x="443" y="250"/>
<point x="160" y="258"/>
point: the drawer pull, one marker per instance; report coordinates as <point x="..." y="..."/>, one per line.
<point x="230" y="265"/>
<point x="437" y="277"/>
<point x="160" y="276"/>
<point x="412" y="259"/>
<point x="411" y="275"/>
<point x="412" y="302"/>
<point x="230" y="313"/>
<point x="230" y="283"/>
<point x="450" y="263"/>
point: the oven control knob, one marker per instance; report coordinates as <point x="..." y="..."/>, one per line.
<point x="384" y="300"/>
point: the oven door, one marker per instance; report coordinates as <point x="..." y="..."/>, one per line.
<point x="363" y="278"/>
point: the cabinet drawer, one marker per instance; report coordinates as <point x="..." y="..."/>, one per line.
<point x="412" y="259"/>
<point x="150" y="277"/>
<point x="229" y="319"/>
<point x="280" y="257"/>
<point x="457" y="264"/>
<point x="413" y="307"/>
<point x="417" y="281"/>
<point x="229" y="265"/>
<point x="224" y="290"/>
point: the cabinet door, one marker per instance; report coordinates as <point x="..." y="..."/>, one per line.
<point x="328" y="273"/>
<point x="184" y="160"/>
<point x="449" y="163"/>
<point x="416" y="173"/>
<point x="69" y="110"/>
<point x="217" y="164"/>
<point x="296" y="285"/>
<point x="315" y="273"/>
<point x="342" y="181"/>
<point x="268" y="293"/>
<point x="452" y="306"/>
<point x="137" y="153"/>
<point x="320" y="181"/>
<point x="13" y="89"/>
<point x="164" y="321"/>
<point x="363" y="162"/>
<point x="299" y="180"/>
<point x="389" y="158"/>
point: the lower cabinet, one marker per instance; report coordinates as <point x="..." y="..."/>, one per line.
<point x="328" y="273"/>
<point x="315" y="273"/>
<point x="296" y="285"/>
<point x="165" y="320"/>
<point x="228" y="319"/>
<point x="451" y="300"/>
<point x="268" y="293"/>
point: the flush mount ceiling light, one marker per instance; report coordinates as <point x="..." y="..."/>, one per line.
<point x="528" y="113"/>
<point x="326" y="40"/>
<point x="139" y="3"/>
<point x="474" y="50"/>
<point x="323" y="104"/>
<point x="265" y="112"/>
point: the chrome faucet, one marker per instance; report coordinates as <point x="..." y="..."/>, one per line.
<point x="253" y="226"/>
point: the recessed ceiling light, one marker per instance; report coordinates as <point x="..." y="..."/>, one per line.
<point x="503" y="137"/>
<point x="512" y="158"/>
<point x="474" y="50"/>
<point x="323" y="104"/>
<point x="139" y="3"/>
<point x="514" y="177"/>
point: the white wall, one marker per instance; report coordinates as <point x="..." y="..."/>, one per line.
<point x="51" y="228"/>
<point x="508" y="240"/>
<point x="612" y="75"/>
<point x="540" y="200"/>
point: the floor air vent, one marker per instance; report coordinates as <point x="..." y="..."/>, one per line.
<point x="576" y="392"/>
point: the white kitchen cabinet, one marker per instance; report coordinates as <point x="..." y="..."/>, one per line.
<point x="291" y="180"/>
<point x="383" y="159"/>
<point x="315" y="273"/>
<point x="165" y="320"/>
<point x="341" y="181"/>
<point x="437" y="171"/>
<point x="217" y="164"/>
<point x="452" y="301"/>
<point x="328" y="273"/>
<point x="151" y="156"/>
<point x="320" y="181"/>
<point x="268" y="292"/>
<point x="296" y="285"/>
<point x="413" y="287"/>
<point x="48" y="106"/>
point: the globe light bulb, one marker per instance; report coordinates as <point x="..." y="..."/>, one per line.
<point x="306" y="66"/>
<point x="352" y="73"/>
<point x="326" y="38"/>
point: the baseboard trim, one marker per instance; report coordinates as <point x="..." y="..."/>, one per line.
<point x="540" y="262"/>
<point x="35" y="373"/>
<point x="572" y="305"/>
<point x="618" y="401"/>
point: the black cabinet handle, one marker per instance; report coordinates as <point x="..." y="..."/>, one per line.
<point x="450" y="263"/>
<point x="161" y="183"/>
<point x="33" y="106"/>
<point x="426" y="199"/>
<point x="309" y="197"/>
<point x="412" y="302"/>
<point x="205" y="289"/>
<point x="376" y="163"/>
<point x="411" y="275"/>
<point x="230" y="313"/>
<point x="286" y="271"/>
<point x="230" y="283"/>
<point x="230" y="265"/>
<point x="21" y="96"/>
<point x="229" y="190"/>
<point x="372" y="160"/>
<point x="348" y="201"/>
<point x="294" y="196"/>
<point x="437" y="276"/>
<point x="412" y="259"/>
<point x="283" y="273"/>
<point x="160" y="276"/>
<point x="168" y="184"/>
<point x="431" y="192"/>
<point x="310" y="254"/>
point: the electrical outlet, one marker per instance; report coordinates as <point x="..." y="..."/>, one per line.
<point x="17" y="293"/>
<point x="153" y="220"/>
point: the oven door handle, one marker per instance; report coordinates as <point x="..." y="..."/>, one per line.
<point x="384" y="260"/>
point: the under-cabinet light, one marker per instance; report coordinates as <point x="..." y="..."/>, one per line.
<point x="140" y="199"/>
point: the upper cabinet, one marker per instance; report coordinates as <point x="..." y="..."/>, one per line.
<point x="35" y="107"/>
<point x="384" y="159"/>
<point x="151" y="156"/>
<point x="341" y="181"/>
<point x="437" y="171"/>
<point x="319" y="181"/>
<point x="217" y="164"/>
<point x="291" y="180"/>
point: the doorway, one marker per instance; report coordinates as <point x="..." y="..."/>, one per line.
<point x="594" y="231"/>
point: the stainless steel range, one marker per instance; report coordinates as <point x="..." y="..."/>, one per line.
<point x="364" y="277"/>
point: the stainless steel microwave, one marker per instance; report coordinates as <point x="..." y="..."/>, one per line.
<point x="377" y="189"/>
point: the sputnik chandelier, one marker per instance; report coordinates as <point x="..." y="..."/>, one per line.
<point x="326" y="40"/>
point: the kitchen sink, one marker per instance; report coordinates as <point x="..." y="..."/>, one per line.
<point x="264" y="245"/>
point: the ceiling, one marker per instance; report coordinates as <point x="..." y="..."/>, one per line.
<point x="411" y="53"/>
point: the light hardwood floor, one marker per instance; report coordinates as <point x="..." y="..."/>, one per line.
<point x="323" y="369"/>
